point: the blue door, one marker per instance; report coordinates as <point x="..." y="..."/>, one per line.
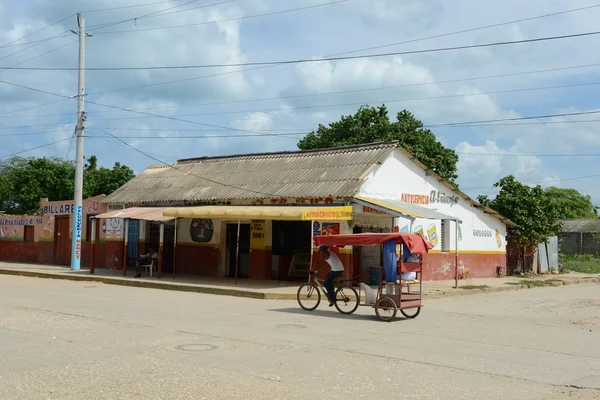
<point x="133" y="239"/>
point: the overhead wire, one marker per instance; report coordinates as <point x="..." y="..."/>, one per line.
<point x="124" y="7"/>
<point x="313" y="60"/>
<point x="37" y="31"/>
<point x="34" y="148"/>
<point x="304" y="95"/>
<point x="187" y="172"/>
<point x="228" y="19"/>
<point x="359" y="103"/>
<point x="336" y="54"/>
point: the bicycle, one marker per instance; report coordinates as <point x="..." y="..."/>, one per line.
<point x="346" y="297"/>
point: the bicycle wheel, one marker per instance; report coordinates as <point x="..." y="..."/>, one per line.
<point x="411" y="312"/>
<point x="386" y="309"/>
<point x="309" y="296"/>
<point x="346" y="299"/>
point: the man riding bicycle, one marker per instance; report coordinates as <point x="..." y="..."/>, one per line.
<point x="337" y="270"/>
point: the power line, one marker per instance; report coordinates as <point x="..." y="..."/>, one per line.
<point x="35" y="148"/>
<point x="35" y="90"/>
<point x="30" y="47"/>
<point x="225" y="20"/>
<point x="544" y="182"/>
<point x="342" y="91"/>
<point x="33" y="33"/>
<point x="156" y="14"/>
<point x="131" y="6"/>
<point x="474" y="123"/>
<point x="529" y="154"/>
<point x="172" y="118"/>
<point x="284" y="135"/>
<point x="40" y="55"/>
<point x="187" y="172"/>
<point x="32" y="107"/>
<point x="473" y="29"/>
<point x="338" y="54"/>
<point x="321" y="106"/>
<point x="312" y="60"/>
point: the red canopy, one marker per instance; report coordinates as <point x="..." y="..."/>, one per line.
<point x="415" y="243"/>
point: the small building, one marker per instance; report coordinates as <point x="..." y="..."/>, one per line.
<point x="46" y="238"/>
<point x="254" y="215"/>
<point x="580" y="236"/>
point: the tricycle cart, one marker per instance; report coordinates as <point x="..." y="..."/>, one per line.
<point x="401" y="277"/>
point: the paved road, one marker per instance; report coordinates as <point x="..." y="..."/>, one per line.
<point x="69" y="340"/>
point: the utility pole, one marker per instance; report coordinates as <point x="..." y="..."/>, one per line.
<point x="77" y="209"/>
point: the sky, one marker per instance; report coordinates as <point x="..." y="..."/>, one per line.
<point x="244" y="109"/>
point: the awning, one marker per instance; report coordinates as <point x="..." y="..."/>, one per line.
<point x="402" y="209"/>
<point x="415" y="243"/>
<point x="282" y="213"/>
<point x="142" y="213"/>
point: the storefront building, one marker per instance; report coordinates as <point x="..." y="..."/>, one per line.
<point x="253" y="216"/>
<point x="46" y="238"/>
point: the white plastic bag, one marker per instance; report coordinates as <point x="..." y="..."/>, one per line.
<point x="369" y="293"/>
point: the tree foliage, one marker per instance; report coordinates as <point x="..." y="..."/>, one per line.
<point x="572" y="204"/>
<point x="24" y="181"/>
<point x="535" y="212"/>
<point x="372" y="124"/>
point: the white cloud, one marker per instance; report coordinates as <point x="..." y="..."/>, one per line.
<point x="316" y="32"/>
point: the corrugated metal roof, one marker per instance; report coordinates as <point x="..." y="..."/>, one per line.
<point x="336" y="172"/>
<point x="581" y="225"/>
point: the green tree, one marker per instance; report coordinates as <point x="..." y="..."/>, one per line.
<point x="535" y="213"/>
<point x="104" y="180"/>
<point x="29" y="180"/>
<point x="372" y="124"/>
<point x="572" y="204"/>
<point x="24" y="181"/>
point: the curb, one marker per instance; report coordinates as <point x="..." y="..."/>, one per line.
<point x="140" y="284"/>
<point x="264" y="295"/>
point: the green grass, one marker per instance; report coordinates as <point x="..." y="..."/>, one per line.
<point x="471" y="287"/>
<point x="585" y="263"/>
<point x="537" y="282"/>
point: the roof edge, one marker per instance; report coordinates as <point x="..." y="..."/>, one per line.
<point x="391" y="144"/>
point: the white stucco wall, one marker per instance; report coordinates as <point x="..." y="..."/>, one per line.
<point x="399" y="178"/>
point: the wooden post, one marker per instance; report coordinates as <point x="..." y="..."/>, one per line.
<point x="237" y="253"/>
<point x="160" y="249"/>
<point x="92" y="245"/>
<point x="175" y="248"/>
<point x="125" y="242"/>
<point x="312" y="223"/>
<point x="456" y="254"/>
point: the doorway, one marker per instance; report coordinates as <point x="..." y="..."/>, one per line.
<point x="62" y="240"/>
<point x="244" y="263"/>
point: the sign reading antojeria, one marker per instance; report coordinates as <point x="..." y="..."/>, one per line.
<point x="442" y="198"/>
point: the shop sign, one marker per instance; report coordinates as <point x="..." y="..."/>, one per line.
<point x="69" y="208"/>
<point x="442" y="198"/>
<point x="369" y="210"/>
<point x="113" y="227"/>
<point x="257" y="234"/>
<point x="420" y="199"/>
<point x="328" y="214"/>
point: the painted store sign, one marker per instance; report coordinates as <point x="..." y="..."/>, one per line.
<point x="435" y="196"/>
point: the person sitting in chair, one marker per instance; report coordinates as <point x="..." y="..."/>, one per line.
<point x="337" y="270"/>
<point x="145" y="259"/>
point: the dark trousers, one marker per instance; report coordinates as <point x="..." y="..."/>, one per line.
<point x="138" y="263"/>
<point x="331" y="275"/>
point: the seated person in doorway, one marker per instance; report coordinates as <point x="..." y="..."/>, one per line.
<point x="337" y="270"/>
<point x="145" y="259"/>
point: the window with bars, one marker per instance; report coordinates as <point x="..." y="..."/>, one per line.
<point x="445" y="236"/>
